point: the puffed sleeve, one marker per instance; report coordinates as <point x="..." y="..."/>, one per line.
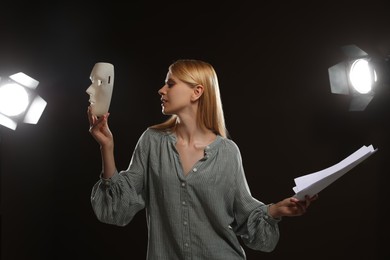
<point x="258" y="230"/>
<point x="116" y="200"/>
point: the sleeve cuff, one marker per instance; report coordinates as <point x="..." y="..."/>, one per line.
<point x="268" y="217"/>
<point x="108" y="181"/>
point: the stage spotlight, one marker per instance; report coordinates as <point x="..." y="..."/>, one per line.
<point x="358" y="76"/>
<point x="19" y="102"/>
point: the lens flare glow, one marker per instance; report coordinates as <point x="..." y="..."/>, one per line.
<point x="361" y="76"/>
<point x="13" y="99"/>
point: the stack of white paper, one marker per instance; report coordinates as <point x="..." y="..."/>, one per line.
<point x="312" y="184"/>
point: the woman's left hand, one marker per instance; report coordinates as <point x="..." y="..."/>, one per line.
<point x="291" y="207"/>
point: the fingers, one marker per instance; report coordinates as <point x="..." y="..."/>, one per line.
<point x="94" y="120"/>
<point x="294" y="207"/>
<point x="96" y="123"/>
<point x="300" y="205"/>
<point x="91" y="118"/>
<point x="309" y="200"/>
<point x="99" y="123"/>
<point x="315" y="197"/>
<point x="306" y="203"/>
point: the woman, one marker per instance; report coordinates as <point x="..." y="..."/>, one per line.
<point x="189" y="177"/>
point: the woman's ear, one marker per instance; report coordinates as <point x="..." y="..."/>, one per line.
<point x="198" y="91"/>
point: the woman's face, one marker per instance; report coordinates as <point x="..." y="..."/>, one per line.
<point x="175" y="95"/>
<point x="100" y="91"/>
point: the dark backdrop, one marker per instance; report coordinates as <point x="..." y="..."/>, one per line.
<point x="272" y="62"/>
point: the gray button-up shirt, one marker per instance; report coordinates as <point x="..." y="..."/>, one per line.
<point x="196" y="216"/>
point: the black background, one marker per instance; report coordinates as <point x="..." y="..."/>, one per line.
<point x="272" y="60"/>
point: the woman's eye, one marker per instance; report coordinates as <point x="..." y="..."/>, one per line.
<point x="170" y="85"/>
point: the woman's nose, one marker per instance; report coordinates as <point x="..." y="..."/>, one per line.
<point x="161" y="91"/>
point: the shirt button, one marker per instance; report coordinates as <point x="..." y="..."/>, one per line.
<point x="183" y="202"/>
<point x="183" y="184"/>
<point x="185" y="223"/>
<point x="186" y="244"/>
<point x="207" y="147"/>
<point x="194" y="170"/>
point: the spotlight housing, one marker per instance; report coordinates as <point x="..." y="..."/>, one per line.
<point x="358" y="76"/>
<point x="19" y="101"/>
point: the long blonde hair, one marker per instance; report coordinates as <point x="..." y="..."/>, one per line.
<point x="210" y="113"/>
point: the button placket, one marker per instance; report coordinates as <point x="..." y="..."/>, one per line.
<point x="185" y="220"/>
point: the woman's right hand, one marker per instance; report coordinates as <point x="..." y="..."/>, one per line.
<point x="98" y="127"/>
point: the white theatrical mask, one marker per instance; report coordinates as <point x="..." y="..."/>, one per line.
<point x="100" y="91"/>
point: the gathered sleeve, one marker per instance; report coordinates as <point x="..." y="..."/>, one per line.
<point x="257" y="229"/>
<point x="116" y="200"/>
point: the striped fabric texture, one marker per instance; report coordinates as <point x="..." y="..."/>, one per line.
<point x="198" y="215"/>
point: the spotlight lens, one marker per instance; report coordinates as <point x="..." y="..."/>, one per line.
<point x="361" y="77"/>
<point x="13" y="99"/>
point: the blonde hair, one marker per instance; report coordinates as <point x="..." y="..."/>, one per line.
<point x="210" y="113"/>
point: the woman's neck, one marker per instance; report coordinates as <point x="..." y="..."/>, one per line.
<point x="192" y="134"/>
